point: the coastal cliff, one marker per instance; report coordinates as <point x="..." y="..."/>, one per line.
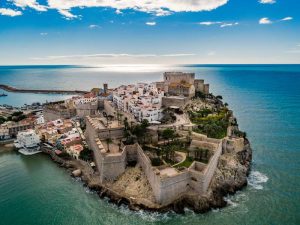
<point x="230" y="176"/>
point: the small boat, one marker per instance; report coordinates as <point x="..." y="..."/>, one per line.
<point x="3" y="95"/>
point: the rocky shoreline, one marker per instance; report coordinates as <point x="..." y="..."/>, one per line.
<point x="231" y="176"/>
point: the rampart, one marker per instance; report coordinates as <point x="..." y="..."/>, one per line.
<point x="174" y="101"/>
<point x="167" y="183"/>
<point x="86" y="109"/>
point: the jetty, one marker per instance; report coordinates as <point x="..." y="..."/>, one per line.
<point x="41" y="91"/>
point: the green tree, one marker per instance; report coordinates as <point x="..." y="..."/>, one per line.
<point x="168" y="134"/>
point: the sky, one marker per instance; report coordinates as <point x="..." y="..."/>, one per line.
<point x="101" y="32"/>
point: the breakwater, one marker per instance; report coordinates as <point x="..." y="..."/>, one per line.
<point x="40" y="91"/>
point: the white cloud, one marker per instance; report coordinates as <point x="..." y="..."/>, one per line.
<point x="287" y="18"/>
<point x="94" y="26"/>
<point x="151" y="23"/>
<point x="209" y="23"/>
<point x="222" y="24"/>
<point x="229" y="24"/>
<point x="67" y="14"/>
<point x="31" y="4"/>
<point x="9" y="12"/>
<point x="156" y="7"/>
<point x="267" y="1"/>
<point x="211" y="53"/>
<point x="43" y="34"/>
<point x="265" y="20"/>
<point x="113" y="55"/>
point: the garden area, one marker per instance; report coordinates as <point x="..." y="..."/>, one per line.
<point x="213" y="124"/>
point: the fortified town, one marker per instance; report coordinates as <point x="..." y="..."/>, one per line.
<point x="165" y="144"/>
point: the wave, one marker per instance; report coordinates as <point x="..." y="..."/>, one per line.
<point x="256" y="179"/>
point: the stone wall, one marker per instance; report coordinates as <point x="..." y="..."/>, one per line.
<point x="174" y="101"/>
<point x="113" y="165"/>
<point x="233" y="144"/>
<point x="113" y="133"/>
<point x="173" y="187"/>
<point x="177" y="77"/>
<point x="165" y="189"/>
<point x="53" y="114"/>
<point x="211" y="168"/>
<point x="200" y="86"/>
<point x="109" y="165"/>
<point x="108" y="108"/>
<point x="206" y="89"/>
<point x="87" y="109"/>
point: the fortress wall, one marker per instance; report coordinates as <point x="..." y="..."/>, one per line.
<point x="211" y="168"/>
<point x="108" y="108"/>
<point x="113" y="165"/>
<point x="206" y="89"/>
<point x="199" y="85"/>
<point x="91" y="135"/>
<point x="233" y="144"/>
<point x="50" y="115"/>
<point x="202" y="137"/>
<point x="151" y="173"/>
<point x="204" y="145"/>
<point x="169" y="101"/>
<point x="111" y="133"/>
<point x="131" y="153"/>
<point x="196" y="181"/>
<point x="165" y="189"/>
<point x="110" y="166"/>
<point x="173" y="187"/>
<point x="177" y="77"/>
<point x="87" y="109"/>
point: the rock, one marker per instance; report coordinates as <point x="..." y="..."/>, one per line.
<point x="76" y="173"/>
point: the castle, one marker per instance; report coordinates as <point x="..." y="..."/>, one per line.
<point x="182" y="84"/>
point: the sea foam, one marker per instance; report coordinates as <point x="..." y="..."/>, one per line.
<point x="256" y="179"/>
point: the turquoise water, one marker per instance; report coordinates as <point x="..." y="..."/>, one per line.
<point x="266" y="101"/>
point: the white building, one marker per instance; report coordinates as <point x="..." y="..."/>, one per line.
<point x="28" y="142"/>
<point x="143" y="101"/>
<point x="73" y="133"/>
<point x="40" y="120"/>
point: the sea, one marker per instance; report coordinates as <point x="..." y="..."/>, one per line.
<point x="265" y="99"/>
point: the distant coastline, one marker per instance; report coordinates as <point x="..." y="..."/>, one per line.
<point x="40" y="91"/>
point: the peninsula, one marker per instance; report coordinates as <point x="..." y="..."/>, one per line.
<point x="40" y="91"/>
<point x="166" y="145"/>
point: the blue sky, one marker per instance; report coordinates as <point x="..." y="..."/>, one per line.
<point x="149" y="32"/>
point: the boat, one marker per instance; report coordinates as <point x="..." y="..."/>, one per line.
<point x="28" y="142"/>
<point x="3" y="95"/>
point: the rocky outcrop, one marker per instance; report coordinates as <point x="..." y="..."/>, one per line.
<point x="230" y="176"/>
